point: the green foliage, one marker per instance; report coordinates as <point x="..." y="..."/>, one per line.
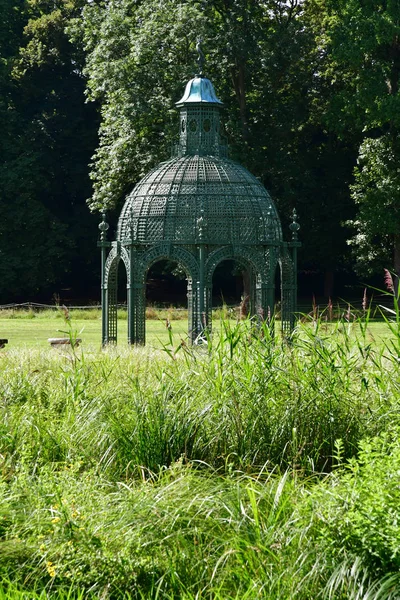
<point x="46" y="143"/>
<point x="186" y="532"/>
<point x="147" y="49"/>
<point x="10" y="591"/>
<point x="281" y="114"/>
<point x="361" y="59"/>
<point x="302" y="84"/>
<point x="376" y="192"/>
<point x="181" y="473"/>
<point x="361" y="47"/>
<point x="356" y="517"/>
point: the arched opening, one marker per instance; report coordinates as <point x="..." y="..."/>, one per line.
<point x="121" y="300"/>
<point x="166" y="285"/>
<point x="167" y="296"/>
<point x="233" y="289"/>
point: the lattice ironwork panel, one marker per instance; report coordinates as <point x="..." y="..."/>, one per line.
<point x="220" y="229"/>
<point x="137" y="315"/>
<point x="199" y="130"/>
<point x="221" y="190"/>
<point x="271" y="259"/>
<point x="192" y="311"/>
<point x="127" y="263"/>
<point x="267" y="302"/>
<point x="158" y="206"/>
<point x="112" y="303"/>
<point x="289" y="292"/>
<point x="155" y="229"/>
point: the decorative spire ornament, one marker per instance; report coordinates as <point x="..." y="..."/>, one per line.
<point x="294" y="226"/>
<point x="201" y="58"/>
<point x="103" y="226"/>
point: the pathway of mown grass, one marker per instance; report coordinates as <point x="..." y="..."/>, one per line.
<point x="197" y="472"/>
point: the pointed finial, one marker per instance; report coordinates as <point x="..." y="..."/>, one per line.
<point x="270" y="224"/>
<point x="201" y="58"/>
<point x="294" y="226"/>
<point x="103" y="226"/>
<point x="201" y="224"/>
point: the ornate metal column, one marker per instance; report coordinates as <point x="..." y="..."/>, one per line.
<point x="192" y="311"/>
<point x="138" y="314"/>
<point x="104" y="245"/>
<point x="202" y="317"/>
<point x="289" y="278"/>
<point x="294" y="245"/>
<point x="112" y="293"/>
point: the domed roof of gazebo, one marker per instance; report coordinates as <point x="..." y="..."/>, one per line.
<point x="199" y="89"/>
<point x="184" y="195"/>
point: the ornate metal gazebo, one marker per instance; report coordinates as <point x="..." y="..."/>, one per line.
<point x="198" y="209"/>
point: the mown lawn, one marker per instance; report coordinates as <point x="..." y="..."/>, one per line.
<point x="30" y="329"/>
<point x="35" y="332"/>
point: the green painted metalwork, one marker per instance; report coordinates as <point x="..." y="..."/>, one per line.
<point x="198" y="208"/>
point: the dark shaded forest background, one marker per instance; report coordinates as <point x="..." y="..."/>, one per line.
<point x="87" y="93"/>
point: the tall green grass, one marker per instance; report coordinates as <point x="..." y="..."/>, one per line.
<point x="242" y="398"/>
<point x="214" y="471"/>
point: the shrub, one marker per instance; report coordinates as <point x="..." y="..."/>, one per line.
<point x="357" y="518"/>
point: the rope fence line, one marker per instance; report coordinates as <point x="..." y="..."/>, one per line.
<point x="37" y="305"/>
<point x="303" y="307"/>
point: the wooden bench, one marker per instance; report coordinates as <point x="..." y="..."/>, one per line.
<point x="3" y="342"/>
<point x="54" y="342"/>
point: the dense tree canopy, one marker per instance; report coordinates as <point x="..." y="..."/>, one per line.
<point x="376" y="191"/>
<point x="48" y="135"/>
<point x="88" y="91"/>
<point x="361" y="41"/>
